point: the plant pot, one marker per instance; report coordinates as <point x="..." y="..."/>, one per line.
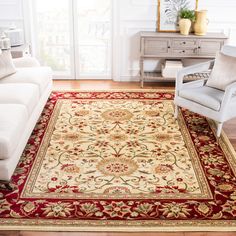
<point x="185" y="26"/>
<point x="200" y="26"/>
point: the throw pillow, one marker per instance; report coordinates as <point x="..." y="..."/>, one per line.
<point x="6" y="64"/>
<point x="223" y="72"/>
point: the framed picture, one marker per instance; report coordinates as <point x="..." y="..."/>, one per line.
<point x="168" y="11"/>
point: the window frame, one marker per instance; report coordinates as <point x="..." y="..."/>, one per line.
<point x="74" y="41"/>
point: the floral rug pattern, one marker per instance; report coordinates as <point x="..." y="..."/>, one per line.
<point x="107" y="160"/>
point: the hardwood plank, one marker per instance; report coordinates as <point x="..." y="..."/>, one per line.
<point x="125" y="234"/>
<point x="230" y="128"/>
<point x="209" y="233"/>
<point x="98" y="234"/>
<point x="107" y="84"/>
<point x="196" y="234"/>
<point x="9" y="233"/>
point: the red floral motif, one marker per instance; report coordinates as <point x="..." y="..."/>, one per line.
<point x="117" y="209"/>
<point x="117" y="115"/>
<point x="117" y="190"/>
<point x="117" y="167"/>
<point x="58" y="209"/>
<point x="163" y="169"/>
<point x="175" y="210"/>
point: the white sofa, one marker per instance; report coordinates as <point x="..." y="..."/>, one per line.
<point x="23" y="96"/>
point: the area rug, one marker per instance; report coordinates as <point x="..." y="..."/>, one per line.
<point x="119" y="161"/>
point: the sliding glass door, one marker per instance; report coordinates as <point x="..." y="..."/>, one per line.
<point x="53" y="35"/>
<point x="74" y="37"/>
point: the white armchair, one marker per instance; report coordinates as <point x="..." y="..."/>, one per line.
<point x="197" y="97"/>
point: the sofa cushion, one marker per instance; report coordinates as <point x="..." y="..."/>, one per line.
<point x="26" y="62"/>
<point x="24" y="94"/>
<point x="223" y="73"/>
<point x="40" y="76"/>
<point x="6" y="64"/>
<point x="206" y="96"/>
<point x="13" y="118"/>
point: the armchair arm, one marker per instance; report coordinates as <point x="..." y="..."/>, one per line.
<point x="229" y="91"/>
<point x="191" y="70"/>
<point x="194" y="84"/>
<point x="26" y="62"/>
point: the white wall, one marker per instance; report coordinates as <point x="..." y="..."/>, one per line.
<point x="131" y="17"/>
<point x="11" y="12"/>
<point x="141" y="15"/>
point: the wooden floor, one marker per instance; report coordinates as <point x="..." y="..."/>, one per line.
<point x="229" y="128"/>
<point x="24" y="233"/>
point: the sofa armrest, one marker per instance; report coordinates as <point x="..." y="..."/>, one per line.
<point x="26" y="62"/>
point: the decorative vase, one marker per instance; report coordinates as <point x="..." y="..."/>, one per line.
<point x="200" y="26"/>
<point x="185" y="26"/>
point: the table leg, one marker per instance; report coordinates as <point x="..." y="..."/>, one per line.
<point x="142" y="72"/>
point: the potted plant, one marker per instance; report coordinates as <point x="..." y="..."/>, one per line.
<point x="186" y="18"/>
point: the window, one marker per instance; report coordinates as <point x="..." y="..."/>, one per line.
<point x="94" y="27"/>
<point x="74" y="37"/>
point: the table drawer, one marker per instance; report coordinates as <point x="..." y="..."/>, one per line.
<point x="210" y="47"/>
<point x="184" y="52"/>
<point x="179" y="43"/>
<point x="156" y="47"/>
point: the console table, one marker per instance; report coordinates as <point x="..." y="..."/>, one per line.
<point x="155" y="45"/>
